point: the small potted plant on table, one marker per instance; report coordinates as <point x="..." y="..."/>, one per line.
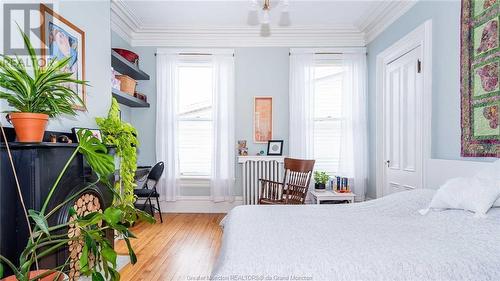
<point x="36" y="95"/>
<point x="320" y="180"/>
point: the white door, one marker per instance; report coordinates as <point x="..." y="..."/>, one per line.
<point x="403" y="123"/>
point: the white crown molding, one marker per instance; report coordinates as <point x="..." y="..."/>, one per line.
<point x="123" y="21"/>
<point x="376" y="21"/>
<point x="248" y="36"/>
<point x="130" y="28"/>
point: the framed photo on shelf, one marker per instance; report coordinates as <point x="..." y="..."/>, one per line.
<point x="60" y="40"/>
<point x="95" y="132"/>
<point x="275" y="147"/>
<point x="263" y="119"/>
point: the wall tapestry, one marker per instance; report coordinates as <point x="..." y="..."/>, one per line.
<point x="263" y="119"/>
<point x="480" y="78"/>
<point x="62" y="39"/>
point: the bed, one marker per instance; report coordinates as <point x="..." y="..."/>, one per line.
<point x="383" y="239"/>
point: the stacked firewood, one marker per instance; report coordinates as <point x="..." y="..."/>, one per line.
<point x="87" y="203"/>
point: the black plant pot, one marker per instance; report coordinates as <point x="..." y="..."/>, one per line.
<point x="319" y="186"/>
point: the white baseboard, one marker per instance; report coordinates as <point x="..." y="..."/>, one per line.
<point x="198" y="204"/>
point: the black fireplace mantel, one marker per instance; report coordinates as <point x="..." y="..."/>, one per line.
<point x="37" y="166"/>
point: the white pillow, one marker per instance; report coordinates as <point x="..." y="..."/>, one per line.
<point x="492" y="172"/>
<point x="472" y="194"/>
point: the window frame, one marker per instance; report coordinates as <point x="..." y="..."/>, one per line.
<point x="325" y="60"/>
<point x="192" y="61"/>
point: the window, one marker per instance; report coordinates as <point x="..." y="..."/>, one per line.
<point x="195" y="98"/>
<point x="327" y="102"/>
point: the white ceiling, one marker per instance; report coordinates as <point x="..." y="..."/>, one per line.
<point x="224" y="23"/>
<point x="235" y="13"/>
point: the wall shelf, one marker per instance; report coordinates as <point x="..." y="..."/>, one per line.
<point x="125" y="67"/>
<point x="127" y="99"/>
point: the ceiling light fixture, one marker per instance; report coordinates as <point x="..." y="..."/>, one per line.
<point x="265" y="18"/>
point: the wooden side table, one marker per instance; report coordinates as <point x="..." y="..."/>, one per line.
<point x="330" y="195"/>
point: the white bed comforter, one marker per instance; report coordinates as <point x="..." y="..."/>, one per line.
<point x="384" y="239"/>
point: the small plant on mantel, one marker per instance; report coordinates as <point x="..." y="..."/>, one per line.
<point x="37" y="94"/>
<point x="98" y="258"/>
<point x="123" y="137"/>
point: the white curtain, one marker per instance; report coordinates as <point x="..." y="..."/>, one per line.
<point x="223" y="159"/>
<point x="166" y="127"/>
<point x="301" y="105"/>
<point x="354" y="134"/>
<point x="353" y="150"/>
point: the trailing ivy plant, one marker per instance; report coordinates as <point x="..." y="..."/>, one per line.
<point x="123" y="136"/>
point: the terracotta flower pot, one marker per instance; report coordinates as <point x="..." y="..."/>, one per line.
<point x="35" y="273"/>
<point x="29" y="127"/>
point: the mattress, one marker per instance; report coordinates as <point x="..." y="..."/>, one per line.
<point x="383" y="239"/>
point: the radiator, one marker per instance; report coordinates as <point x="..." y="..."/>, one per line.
<point x="255" y="168"/>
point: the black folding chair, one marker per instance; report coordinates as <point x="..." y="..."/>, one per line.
<point x="149" y="189"/>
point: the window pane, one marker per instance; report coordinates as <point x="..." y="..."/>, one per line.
<point x="328" y="77"/>
<point x="195" y="89"/>
<point x="328" y="91"/>
<point x="195" y="148"/>
<point x="195" y="92"/>
<point x="327" y="145"/>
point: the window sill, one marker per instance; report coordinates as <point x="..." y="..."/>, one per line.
<point x="199" y="182"/>
<point x="194" y="178"/>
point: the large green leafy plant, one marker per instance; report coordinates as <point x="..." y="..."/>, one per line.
<point x="41" y="89"/>
<point x="122" y="136"/>
<point x="45" y="239"/>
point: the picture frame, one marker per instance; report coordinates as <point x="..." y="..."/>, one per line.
<point x="275" y="147"/>
<point x="95" y="132"/>
<point x="263" y="119"/>
<point x="62" y="39"/>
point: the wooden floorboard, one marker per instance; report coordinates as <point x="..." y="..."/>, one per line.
<point x="183" y="246"/>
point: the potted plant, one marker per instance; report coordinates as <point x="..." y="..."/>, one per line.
<point x="320" y="180"/>
<point x="36" y="95"/>
<point x="123" y="137"/>
<point x="98" y="258"/>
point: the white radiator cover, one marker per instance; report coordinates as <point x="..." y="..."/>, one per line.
<point x="254" y="168"/>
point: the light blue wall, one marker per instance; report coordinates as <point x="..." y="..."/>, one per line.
<point x="97" y="61"/>
<point x="143" y="119"/>
<point x="259" y="72"/>
<point x="118" y="42"/>
<point x="446" y="129"/>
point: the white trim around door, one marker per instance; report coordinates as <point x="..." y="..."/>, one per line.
<point x="420" y="37"/>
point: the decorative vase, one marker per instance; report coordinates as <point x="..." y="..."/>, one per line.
<point x="35" y="273"/>
<point x="29" y="127"/>
<point x="320" y="186"/>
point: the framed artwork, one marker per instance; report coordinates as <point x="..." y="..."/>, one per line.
<point x="95" y="132"/>
<point x="62" y="39"/>
<point x="262" y="119"/>
<point x="275" y="147"/>
<point x="480" y="72"/>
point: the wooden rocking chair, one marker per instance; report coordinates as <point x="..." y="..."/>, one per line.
<point x="293" y="189"/>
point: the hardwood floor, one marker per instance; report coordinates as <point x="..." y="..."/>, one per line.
<point x="183" y="247"/>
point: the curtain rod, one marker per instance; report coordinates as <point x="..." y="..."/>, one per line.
<point x="195" y="54"/>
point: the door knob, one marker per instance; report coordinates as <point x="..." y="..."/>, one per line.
<point x="388" y="162"/>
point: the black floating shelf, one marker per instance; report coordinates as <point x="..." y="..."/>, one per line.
<point x="127" y="99"/>
<point x="125" y="67"/>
